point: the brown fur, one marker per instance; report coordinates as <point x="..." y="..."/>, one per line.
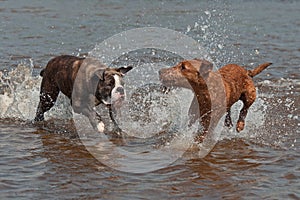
<point x="195" y="74"/>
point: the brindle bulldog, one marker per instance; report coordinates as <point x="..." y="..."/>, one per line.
<point x="86" y="82"/>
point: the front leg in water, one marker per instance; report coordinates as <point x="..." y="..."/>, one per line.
<point x="116" y="129"/>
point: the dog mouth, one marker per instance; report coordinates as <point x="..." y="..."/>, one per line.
<point x="167" y="85"/>
<point x="117" y="100"/>
<point x="165" y="89"/>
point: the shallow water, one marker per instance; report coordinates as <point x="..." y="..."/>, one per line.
<point x="48" y="161"/>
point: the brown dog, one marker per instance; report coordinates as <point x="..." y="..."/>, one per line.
<point x="195" y="74"/>
<point x="86" y="82"/>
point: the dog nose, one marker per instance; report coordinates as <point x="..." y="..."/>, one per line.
<point x="160" y="71"/>
<point x="120" y="90"/>
<point x="163" y="70"/>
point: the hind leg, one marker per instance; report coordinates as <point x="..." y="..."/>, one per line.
<point x="248" y="99"/>
<point x="48" y="96"/>
<point x="228" y="121"/>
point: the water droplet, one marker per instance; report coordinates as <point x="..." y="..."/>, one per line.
<point x="188" y="29"/>
<point x="208" y="14"/>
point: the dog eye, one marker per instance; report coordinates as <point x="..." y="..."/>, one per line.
<point x="111" y="82"/>
<point x="182" y="67"/>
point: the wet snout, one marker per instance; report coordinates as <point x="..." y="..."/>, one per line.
<point x="118" y="94"/>
<point x="165" y="76"/>
<point x="120" y="90"/>
<point x="172" y="77"/>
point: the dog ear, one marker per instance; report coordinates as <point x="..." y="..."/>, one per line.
<point x="100" y="74"/>
<point x="124" y="70"/>
<point x="197" y="59"/>
<point x="205" y="68"/>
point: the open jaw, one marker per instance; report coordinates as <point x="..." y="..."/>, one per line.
<point x="171" y="84"/>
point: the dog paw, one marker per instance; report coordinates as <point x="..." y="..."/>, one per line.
<point x="100" y="127"/>
<point x="118" y="131"/>
<point x="240" y="126"/>
<point x="228" y="124"/>
<point x="199" y="139"/>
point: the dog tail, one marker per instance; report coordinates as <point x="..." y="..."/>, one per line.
<point x="258" y="69"/>
<point x="42" y="72"/>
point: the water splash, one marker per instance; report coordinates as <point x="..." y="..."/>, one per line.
<point x="273" y="119"/>
<point x="20" y="95"/>
<point x="254" y="120"/>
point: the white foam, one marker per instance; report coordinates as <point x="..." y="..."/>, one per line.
<point x="5" y="101"/>
<point x="21" y="96"/>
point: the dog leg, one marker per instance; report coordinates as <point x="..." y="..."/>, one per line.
<point x="100" y="126"/>
<point x="228" y="121"/>
<point x="248" y="99"/>
<point x="117" y="129"/>
<point x="94" y="118"/>
<point x="47" y="100"/>
<point x="194" y="111"/>
<point x="241" y="121"/>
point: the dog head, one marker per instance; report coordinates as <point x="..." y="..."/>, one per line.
<point x="110" y="88"/>
<point x="186" y="73"/>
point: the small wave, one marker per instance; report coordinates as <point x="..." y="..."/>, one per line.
<point x="291" y="86"/>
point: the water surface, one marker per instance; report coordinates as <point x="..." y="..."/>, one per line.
<point x="46" y="162"/>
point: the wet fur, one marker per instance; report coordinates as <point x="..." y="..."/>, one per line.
<point x="194" y="74"/>
<point x="85" y="81"/>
